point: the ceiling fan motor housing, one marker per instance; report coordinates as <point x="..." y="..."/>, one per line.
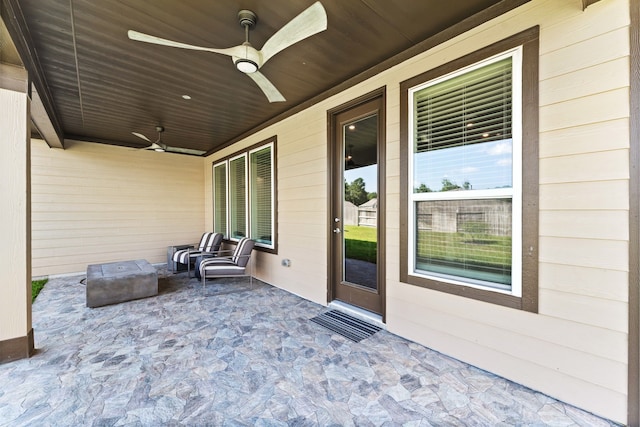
<point x="247" y="18"/>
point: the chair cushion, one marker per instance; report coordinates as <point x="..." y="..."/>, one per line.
<point x="204" y="240"/>
<point x="212" y="267"/>
<point x="183" y="255"/>
<point x="214" y="242"/>
<point x="242" y="252"/>
<point x="210" y="243"/>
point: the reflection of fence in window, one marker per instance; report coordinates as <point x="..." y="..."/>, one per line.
<point x="367" y="217"/>
<point x="424" y="221"/>
<point x="471" y="222"/>
<point x="349" y="213"/>
<point x="368" y="213"/>
<point x="479" y="216"/>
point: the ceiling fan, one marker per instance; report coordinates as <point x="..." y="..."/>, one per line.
<point x="248" y="59"/>
<point x="159" y="146"/>
<point x="349" y="163"/>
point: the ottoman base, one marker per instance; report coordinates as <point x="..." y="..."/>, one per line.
<point x="116" y="282"/>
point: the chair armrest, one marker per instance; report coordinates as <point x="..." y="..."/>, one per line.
<point x="229" y="257"/>
<point x="175" y="248"/>
<point x="228" y="252"/>
<point x="218" y="254"/>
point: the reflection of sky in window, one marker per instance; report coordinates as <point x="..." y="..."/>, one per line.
<point x="485" y="166"/>
<point x="368" y="173"/>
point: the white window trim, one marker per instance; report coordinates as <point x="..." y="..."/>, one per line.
<point x="272" y="207"/>
<point x="515" y="192"/>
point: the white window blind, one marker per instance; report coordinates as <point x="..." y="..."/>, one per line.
<point x="261" y="195"/>
<point x="238" y="197"/>
<point x="220" y="199"/>
<point x="474" y="107"/>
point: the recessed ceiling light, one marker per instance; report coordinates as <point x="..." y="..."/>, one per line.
<point x="186" y="97"/>
<point x="352" y="127"/>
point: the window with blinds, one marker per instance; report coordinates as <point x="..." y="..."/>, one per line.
<point x="260" y="174"/>
<point x="220" y="199"/>
<point x="464" y="146"/>
<point x="244" y="195"/>
<point x="238" y="197"/>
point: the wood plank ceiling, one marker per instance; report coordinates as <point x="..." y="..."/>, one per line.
<point x="104" y="86"/>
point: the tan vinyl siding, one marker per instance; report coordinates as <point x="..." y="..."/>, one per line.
<point x="15" y="275"/>
<point x="95" y="203"/>
<point x="575" y="347"/>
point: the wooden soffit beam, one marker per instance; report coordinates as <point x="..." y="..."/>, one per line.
<point x="13" y="77"/>
<point x="44" y="114"/>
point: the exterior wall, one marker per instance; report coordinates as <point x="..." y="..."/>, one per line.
<point x="302" y="207"/>
<point x="575" y="348"/>
<point x="94" y="203"/>
<point x="15" y="277"/>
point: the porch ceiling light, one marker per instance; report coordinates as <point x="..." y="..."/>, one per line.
<point x="246" y="66"/>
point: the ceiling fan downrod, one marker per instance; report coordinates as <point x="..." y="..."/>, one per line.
<point x="247" y="20"/>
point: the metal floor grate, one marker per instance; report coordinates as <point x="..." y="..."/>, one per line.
<point x="348" y="326"/>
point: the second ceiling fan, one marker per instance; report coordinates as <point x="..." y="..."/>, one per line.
<point x="248" y="59"/>
<point x="160" y="146"/>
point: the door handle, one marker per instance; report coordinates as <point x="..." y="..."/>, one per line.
<point x="336" y="230"/>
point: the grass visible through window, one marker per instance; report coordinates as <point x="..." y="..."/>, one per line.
<point x="361" y="243"/>
<point x="36" y="287"/>
<point x="477" y="256"/>
<point x="479" y="249"/>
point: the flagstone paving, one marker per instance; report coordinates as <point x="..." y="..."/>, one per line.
<point x="231" y="354"/>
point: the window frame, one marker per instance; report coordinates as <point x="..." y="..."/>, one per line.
<point x="225" y="232"/>
<point x="514" y="192"/>
<point x="526" y="296"/>
<point x="246" y="154"/>
<point x="230" y="211"/>
<point x="269" y="145"/>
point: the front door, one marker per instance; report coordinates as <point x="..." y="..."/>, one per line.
<point x="357" y="214"/>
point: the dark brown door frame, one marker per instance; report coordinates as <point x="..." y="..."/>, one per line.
<point x="633" y="388"/>
<point x="335" y="155"/>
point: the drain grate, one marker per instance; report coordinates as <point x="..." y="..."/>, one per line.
<point x="348" y="326"/>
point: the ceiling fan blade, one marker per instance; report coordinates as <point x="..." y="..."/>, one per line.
<point x="311" y="21"/>
<point x="273" y="95"/>
<point x="185" y="151"/>
<point x="139" y="135"/>
<point x="141" y="37"/>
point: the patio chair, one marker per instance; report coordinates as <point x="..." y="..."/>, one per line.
<point x="209" y="246"/>
<point x="235" y="265"/>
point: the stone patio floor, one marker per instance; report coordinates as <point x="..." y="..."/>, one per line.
<point x="235" y="355"/>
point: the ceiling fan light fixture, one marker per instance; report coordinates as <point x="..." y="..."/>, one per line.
<point x="247" y="66"/>
<point x="248" y="59"/>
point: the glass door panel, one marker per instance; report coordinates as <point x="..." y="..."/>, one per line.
<point x="360" y="204"/>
